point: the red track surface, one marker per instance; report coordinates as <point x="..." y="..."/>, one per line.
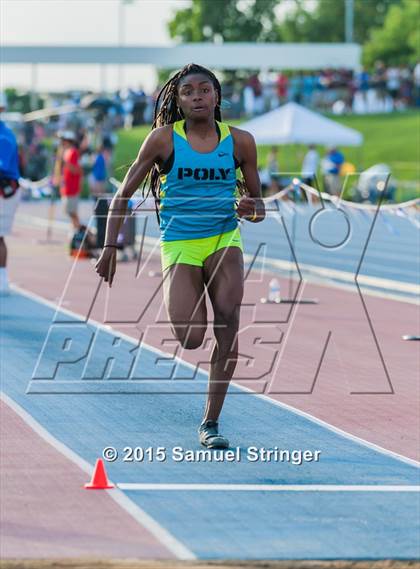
<point x="86" y="524"/>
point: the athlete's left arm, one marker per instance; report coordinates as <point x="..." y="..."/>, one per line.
<point x="250" y="206"/>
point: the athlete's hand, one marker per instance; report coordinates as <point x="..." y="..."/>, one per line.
<point x="107" y="264"/>
<point x="246" y="207"/>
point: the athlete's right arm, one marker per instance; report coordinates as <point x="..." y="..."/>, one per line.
<point x="150" y="153"/>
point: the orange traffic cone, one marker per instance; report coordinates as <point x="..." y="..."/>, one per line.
<point x="99" y="478"/>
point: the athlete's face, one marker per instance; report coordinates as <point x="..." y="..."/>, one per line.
<point x="197" y="96"/>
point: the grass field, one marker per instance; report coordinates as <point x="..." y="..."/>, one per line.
<point x="391" y="139"/>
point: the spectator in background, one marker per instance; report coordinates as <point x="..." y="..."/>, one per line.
<point x="98" y="177"/>
<point x="271" y="100"/>
<point x="308" y="88"/>
<point x="264" y="179"/>
<point x="36" y="161"/>
<point x="71" y="175"/>
<point x="98" y="187"/>
<point x="257" y="91"/>
<point x="379" y="82"/>
<point x="281" y="85"/>
<point x="416" y="81"/>
<point x="273" y="170"/>
<point x="310" y="166"/>
<point x="295" y="88"/>
<point x="362" y="84"/>
<point x="9" y="191"/>
<point x="139" y="106"/>
<point x="249" y="100"/>
<point x="406" y="89"/>
<point x="393" y="84"/>
<point x="331" y="165"/>
<point x="28" y="132"/>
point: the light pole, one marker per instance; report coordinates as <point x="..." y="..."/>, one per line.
<point x="121" y="37"/>
<point x="349" y="20"/>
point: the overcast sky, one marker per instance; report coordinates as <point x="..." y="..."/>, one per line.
<point x="46" y="22"/>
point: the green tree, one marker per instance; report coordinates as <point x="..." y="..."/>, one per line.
<point x="326" y="22"/>
<point x="398" y="41"/>
<point x="226" y="20"/>
<point x="20" y="102"/>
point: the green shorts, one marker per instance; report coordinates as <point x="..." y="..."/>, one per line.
<point x="196" y="251"/>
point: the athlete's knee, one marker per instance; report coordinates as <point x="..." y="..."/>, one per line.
<point x="192" y="343"/>
<point x="189" y="338"/>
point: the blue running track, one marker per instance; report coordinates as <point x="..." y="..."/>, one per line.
<point x="223" y="524"/>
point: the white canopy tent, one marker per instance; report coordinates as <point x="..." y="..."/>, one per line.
<point x="294" y="124"/>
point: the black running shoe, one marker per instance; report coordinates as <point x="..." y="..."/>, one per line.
<point x="210" y="437"/>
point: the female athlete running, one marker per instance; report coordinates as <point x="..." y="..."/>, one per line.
<point x="192" y="157"/>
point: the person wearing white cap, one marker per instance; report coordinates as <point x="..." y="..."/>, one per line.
<point x="9" y="191"/>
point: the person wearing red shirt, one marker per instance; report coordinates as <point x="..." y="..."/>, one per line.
<point x="281" y="85"/>
<point x="71" y="176"/>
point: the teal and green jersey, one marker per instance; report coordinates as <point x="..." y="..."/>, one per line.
<point x="198" y="193"/>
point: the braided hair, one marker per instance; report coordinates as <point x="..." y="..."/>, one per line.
<point x="166" y="112"/>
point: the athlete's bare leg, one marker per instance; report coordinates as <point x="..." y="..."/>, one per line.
<point x="224" y="277"/>
<point x="184" y="295"/>
<point x="183" y="288"/>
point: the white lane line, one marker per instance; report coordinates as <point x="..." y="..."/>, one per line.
<point x="141" y="517"/>
<point x="338" y="274"/>
<point x="268" y="399"/>
<point x="273" y="487"/>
